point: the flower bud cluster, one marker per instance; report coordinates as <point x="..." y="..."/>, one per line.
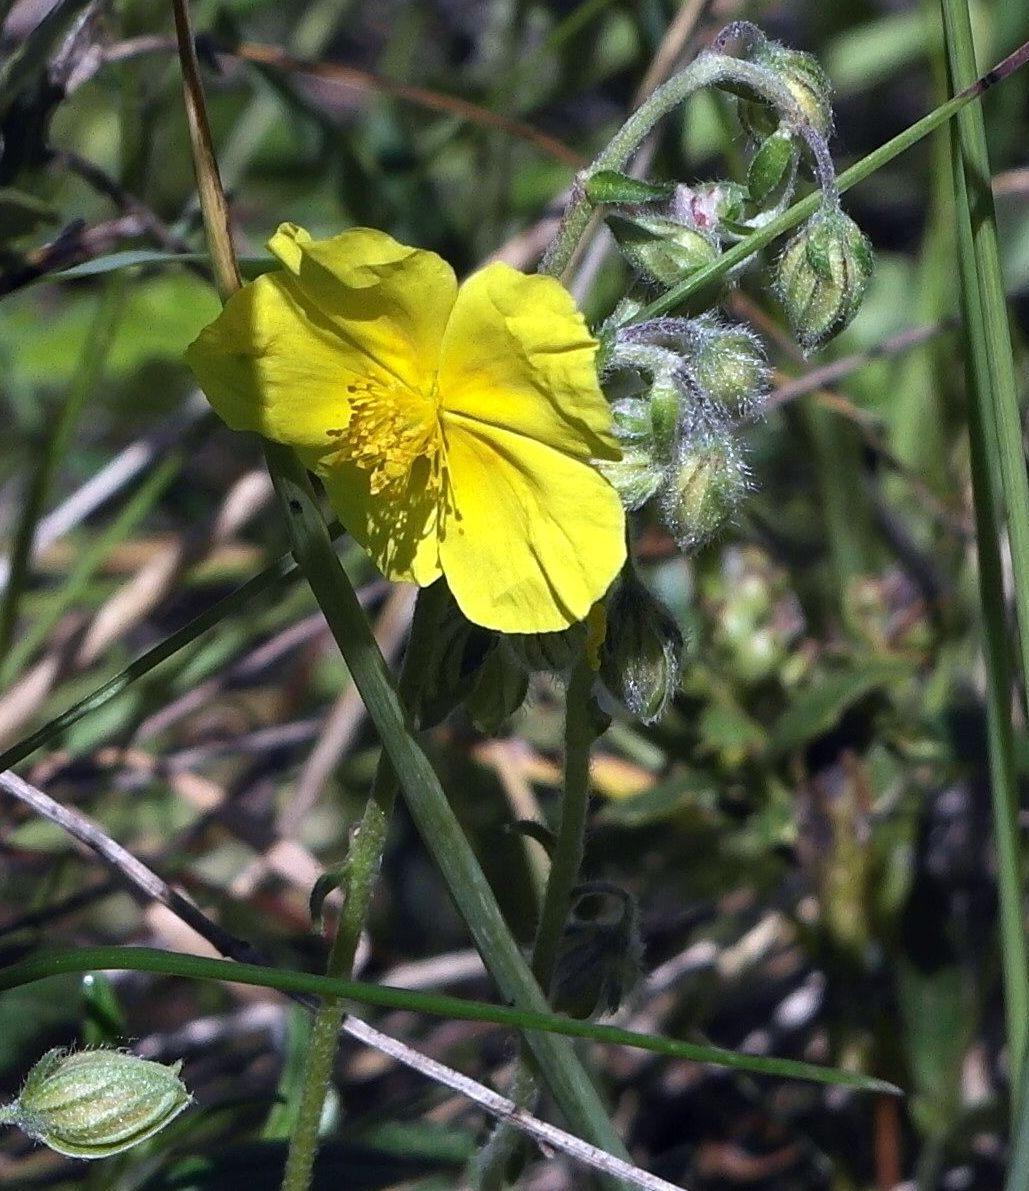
<point x="693" y="378"/>
<point x="668" y="232"/>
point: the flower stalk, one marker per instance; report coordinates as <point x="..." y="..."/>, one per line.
<point x="362" y="868"/>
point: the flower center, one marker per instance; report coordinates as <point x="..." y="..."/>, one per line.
<point x="391" y="427"/>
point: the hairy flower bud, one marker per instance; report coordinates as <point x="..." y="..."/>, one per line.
<point x="641" y="657"/>
<point x="549" y="651"/>
<point x="730" y="367"/>
<point x="806" y="82"/>
<point x="636" y="477"/>
<point x="715" y="207"/>
<point x="459" y="650"/>
<point x="95" y="1103"/>
<point x="822" y="275"/>
<point x="702" y="490"/>
<point x="660" y="248"/>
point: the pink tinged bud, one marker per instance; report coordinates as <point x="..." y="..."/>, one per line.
<point x="661" y="249"/>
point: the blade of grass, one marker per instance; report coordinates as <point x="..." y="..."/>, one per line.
<point x="279" y="572"/>
<point x="996" y="450"/>
<point x="91" y="365"/>
<point x="193" y="967"/>
<point x="88" y="563"/>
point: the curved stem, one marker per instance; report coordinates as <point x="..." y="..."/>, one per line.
<point x="707" y="70"/>
<point x="362" y="868"/>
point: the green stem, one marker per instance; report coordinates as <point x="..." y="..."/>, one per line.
<point x="568" y="1081"/>
<point x="999" y="488"/>
<point x="565" y="866"/>
<point x="707" y="70"/>
<point x="362" y="867"/>
<point x="566" y="861"/>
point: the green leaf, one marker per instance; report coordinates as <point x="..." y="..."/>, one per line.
<point x="817" y="710"/>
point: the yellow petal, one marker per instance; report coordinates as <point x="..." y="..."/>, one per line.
<point x="266" y="366"/>
<point x="517" y="355"/>
<point x="534" y="537"/>
<point x="400" y="532"/>
<point x="388" y="303"/>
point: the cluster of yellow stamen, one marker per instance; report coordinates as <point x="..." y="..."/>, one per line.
<point x="391" y="427"/>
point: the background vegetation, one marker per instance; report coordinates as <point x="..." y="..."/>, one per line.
<point x="807" y="833"/>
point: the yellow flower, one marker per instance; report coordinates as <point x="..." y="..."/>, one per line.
<point x="454" y="428"/>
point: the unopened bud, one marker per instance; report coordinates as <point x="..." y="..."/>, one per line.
<point x="609" y="186"/>
<point x="636" y="477"/>
<point x="641" y="658"/>
<point x="806" y="82"/>
<point x="702" y="490"/>
<point x="95" y="1103"/>
<point x="662" y="249"/>
<point x="714" y="207"/>
<point x="459" y="649"/>
<point x="730" y="368"/>
<point x="822" y="275"/>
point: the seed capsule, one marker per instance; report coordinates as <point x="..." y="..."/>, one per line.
<point x="822" y="276"/>
<point x="94" y="1103"/>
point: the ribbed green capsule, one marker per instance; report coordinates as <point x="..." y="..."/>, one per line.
<point x="95" y="1103"/>
<point x="730" y="368"/>
<point x="703" y="489"/>
<point x="822" y="275"/>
